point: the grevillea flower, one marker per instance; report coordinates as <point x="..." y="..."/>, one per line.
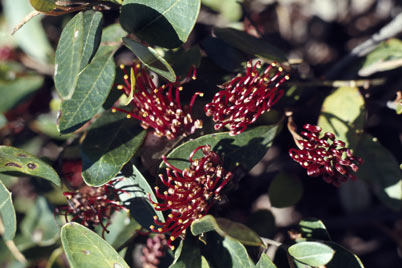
<point x="243" y="99"/>
<point x="92" y="206"/>
<point x="325" y="156"/>
<point x="154" y="250"/>
<point x="191" y="191"/>
<point x="156" y="107"/>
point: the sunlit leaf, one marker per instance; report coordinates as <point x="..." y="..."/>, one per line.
<point x="14" y="160"/>
<point x="311" y="253"/>
<point x="151" y="59"/>
<point x="342" y="114"/>
<point x="84" y="248"/>
<point x="314" y="229"/>
<point x="265" y="262"/>
<point x="165" y="23"/>
<point x="7" y="214"/>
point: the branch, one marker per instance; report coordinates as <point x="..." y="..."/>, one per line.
<point x="25" y="20"/>
<point x="12" y="247"/>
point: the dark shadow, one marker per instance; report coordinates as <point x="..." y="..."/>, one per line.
<point x="149" y="25"/>
<point x="216" y="254"/>
<point x="142" y="211"/>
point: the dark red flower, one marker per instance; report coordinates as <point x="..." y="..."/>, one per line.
<point x="325" y="156"/>
<point x="243" y="99"/>
<point x="91" y="206"/>
<point x="156" y="107"/>
<point x="191" y="192"/>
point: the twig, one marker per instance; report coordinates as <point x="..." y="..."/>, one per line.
<point x="53" y="257"/>
<point x="27" y="18"/>
<point x="390" y="30"/>
<point x="12" y="247"/>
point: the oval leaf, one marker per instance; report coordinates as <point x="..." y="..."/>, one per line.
<point x="120" y="138"/>
<point x="14" y="160"/>
<point x="225" y="227"/>
<point x="311" y="253"/>
<point x="84" y="248"/>
<point x="342" y="114"/>
<point x="187" y="254"/>
<point x="43" y="5"/>
<point x="380" y="169"/>
<point x="78" y="43"/>
<point x="93" y="87"/>
<point x="7" y="214"/>
<point x="238" y="253"/>
<point x="165" y="23"/>
<point x="245" y="149"/>
<point x="285" y="190"/>
<point x="135" y="196"/>
<point x="151" y="59"/>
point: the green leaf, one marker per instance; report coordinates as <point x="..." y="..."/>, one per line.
<point x="343" y="258"/>
<point x="381" y="170"/>
<point x="315" y="229"/>
<point x="18" y="90"/>
<point x="121" y="229"/>
<point x="93" y="87"/>
<point x="238" y="253"/>
<point x="151" y="59"/>
<point x="7" y="214"/>
<point x="245" y="149"/>
<point x="187" y="254"/>
<point x="165" y="23"/>
<point x="225" y="227"/>
<point x="14" y="160"/>
<point x="135" y="196"/>
<point x="119" y="138"/>
<point x="31" y="37"/>
<point x="250" y="44"/>
<point x="39" y="224"/>
<point x="43" y="5"/>
<point x="265" y="262"/>
<point x="46" y="124"/>
<point x="342" y="114"/>
<point x="84" y="248"/>
<point x="387" y="56"/>
<point x="311" y="253"/>
<point x="78" y="43"/>
<point x="285" y="190"/>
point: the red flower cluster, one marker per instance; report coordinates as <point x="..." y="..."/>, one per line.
<point x="91" y="206"/>
<point x="246" y="97"/>
<point x="156" y="107"/>
<point x="325" y="156"/>
<point x="190" y="192"/>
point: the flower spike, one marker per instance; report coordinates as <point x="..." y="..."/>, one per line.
<point x="158" y="107"/>
<point x="191" y="191"/>
<point x="325" y="156"/>
<point x="244" y="98"/>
